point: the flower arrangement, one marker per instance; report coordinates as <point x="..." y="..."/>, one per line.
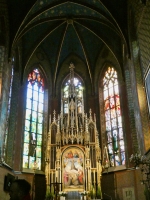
<point x="84" y="193"/>
<point x="62" y="194"/>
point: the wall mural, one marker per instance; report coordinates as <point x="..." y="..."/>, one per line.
<point x="73" y="169"/>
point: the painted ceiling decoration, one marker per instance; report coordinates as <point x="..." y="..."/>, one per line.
<point x="75" y="27"/>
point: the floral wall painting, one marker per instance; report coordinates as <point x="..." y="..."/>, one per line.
<point x="73" y="169"/>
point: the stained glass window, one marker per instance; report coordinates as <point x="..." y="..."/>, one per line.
<point x="79" y="92"/>
<point x="32" y="148"/>
<point x="113" y="118"/>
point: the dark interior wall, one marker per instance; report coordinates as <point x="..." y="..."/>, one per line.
<point x="121" y="183"/>
<point x="139" y="35"/>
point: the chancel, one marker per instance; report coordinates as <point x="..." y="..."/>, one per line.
<point x="73" y="147"/>
<point x="75" y="98"/>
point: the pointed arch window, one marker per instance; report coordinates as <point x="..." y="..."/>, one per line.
<point x="113" y="118"/>
<point x="76" y="88"/>
<point x="33" y="129"/>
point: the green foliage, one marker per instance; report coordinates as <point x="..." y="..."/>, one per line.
<point x="92" y="192"/>
<point x="147" y="193"/>
<point x="49" y="195"/>
<point x="99" y="193"/>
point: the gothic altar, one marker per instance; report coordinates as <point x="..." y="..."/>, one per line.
<point x="73" y="152"/>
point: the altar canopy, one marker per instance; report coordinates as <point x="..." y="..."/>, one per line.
<point x="73" y="154"/>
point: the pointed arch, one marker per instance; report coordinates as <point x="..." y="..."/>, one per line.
<point x="34" y="114"/>
<point x="113" y="120"/>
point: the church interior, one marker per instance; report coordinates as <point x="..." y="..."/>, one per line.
<point x="75" y="98"/>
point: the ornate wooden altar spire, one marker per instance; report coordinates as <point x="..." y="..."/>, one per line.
<point x="73" y="149"/>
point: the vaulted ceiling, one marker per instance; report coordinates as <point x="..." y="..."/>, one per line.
<point x="74" y="27"/>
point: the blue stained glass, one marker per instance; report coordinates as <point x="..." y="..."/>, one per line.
<point x="117" y="160"/>
<point x="123" y="158"/>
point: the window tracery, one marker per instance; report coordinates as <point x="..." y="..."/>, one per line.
<point x="113" y="118"/>
<point x="32" y="147"/>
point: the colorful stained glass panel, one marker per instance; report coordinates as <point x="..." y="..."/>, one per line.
<point x="25" y="161"/>
<point x="35" y="95"/>
<point x="41" y="97"/>
<point x="40" y="117"/>
<point x="34" y="116"/>
<point x="27" y="125"/>
<point x="29" y="103"/>
<point x="29" y="93"/>
<point x="26" y="149"/>
<point x="33" y="126"/>
<point x="39" y="139"/>
<point x="26" y="137"/>
<point x="38" y="151"/>
<point x="39" y="130"/>
<point x="28" y="114"/>
<point x="40" y="107"/>
<point x="113" y="118"/>
<point x="34" y="105"/>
